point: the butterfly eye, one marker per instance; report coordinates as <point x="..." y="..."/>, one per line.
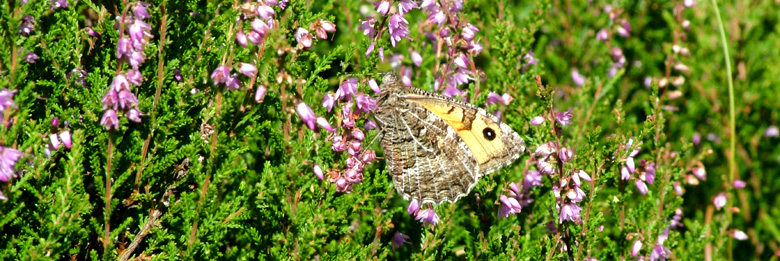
<point x="489" y="134"/>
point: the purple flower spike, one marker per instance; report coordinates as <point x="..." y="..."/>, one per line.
<point x="307" y="115"/>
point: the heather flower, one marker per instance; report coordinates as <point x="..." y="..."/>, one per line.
<point x="347" y="88"/>
<point x="221" y="74"/>
<point x="405" y="6"/>
<point x="6" y="100"/>
<point x="27" y="26"/>
<point x="772" y="132"/>
<point x="508" y="206"/>
<point x="416" y="58"/>
<point x="265" y="12"/>
<point x="367" y="27"/>
<point x="374" y="86"/>
<point x="303" y="37"/>
<point x="461" y="61"/>
<point x="469" y="32"/>
<point x="126" y="99"/>
<point x="719" y="201"/>
<point x="369" y="125"/>
<point x="738" y="234"/>
<point x="624" y="29"/>
<point x="689" y="3"/>
<point x="578" y="79"/>
<point x="636" y="247"/>
<point x="641" y="186"/>
<point x="738" y="184"/>
<point x="66" y="139"/>
<point x="571" y="212"/>
<point x="382" y="7"/>
<point x="399" y="239"/>
<point x="323" y="123"/>
<point x="494" y="98"/>
<point x="475" y="48"/>
<point x="321" y="27"/>
<point x="397" y="28"/>
<point x="261" y="28"/>
<point x="248" y="69"/>
<point x="3" y="197"/>
<point x="110" y="120"/>
<point x="8" y="158"/>
<point x="328" y="100"/>
<point x="177" y="75"/>
<point x="428" y="217"/>
<point x="414" y="206"/>
<point x="602" y="35"/>
<point x="564" y="118"/>
<point x="306" y="114"/>
<point x="260" y="93"/>
<point x="134" y="77"/>
<point x="31" y="57"/>
<point x="232" y="83"/>
<point x="537" y="120"/>
<point x="133" y="114"/>
<point x="241" y="38"/>
<point x="436" y="16"/>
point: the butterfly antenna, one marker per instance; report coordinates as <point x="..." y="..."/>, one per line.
<point x="371" y="143"/>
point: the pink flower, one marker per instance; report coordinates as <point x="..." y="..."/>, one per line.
<point x="7" y="99"/>
<point x="413" y="207"/>
<point x="578" y="79"/>
<point x="399" y="239"/>
<point x="8" y="158"/>
<point x="323" y="123"/>
<point x="416" y="58"/>
<point x="110" y="120"/>
<point x="221" y="74"/>
<point x="321" y="27"/>
<point x="382" y="7"/>
<point x="469" y="31"/>
<point x="636" y="247"/>
<point x="367" y="27"/>
<point x="738" y="234"/>
<point x="428" y="217"/>
<point x="260" y="93"/>
<point x="318" y="172"/>
<point x="719" y="201"/>
<point x="307" y="115"/>
<point x="537" y="120"/>
<point x="405" y="6"/>
<point x="247" y="69"/>
<point x="397" y="28"/>
<point x="602" y="35"/>
<point x="65" y="137"/>
<point x="304" y="38"/>
<point x="738" y="184"/>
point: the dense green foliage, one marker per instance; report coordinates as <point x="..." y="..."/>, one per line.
<point x="210" y="173"/>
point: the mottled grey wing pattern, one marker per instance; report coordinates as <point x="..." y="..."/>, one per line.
<point x="427" y="159"/>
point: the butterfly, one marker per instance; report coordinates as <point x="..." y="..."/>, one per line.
<point x="437" y="148"/>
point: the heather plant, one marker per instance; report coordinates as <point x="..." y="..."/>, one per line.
<point x="245" y="130"/>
